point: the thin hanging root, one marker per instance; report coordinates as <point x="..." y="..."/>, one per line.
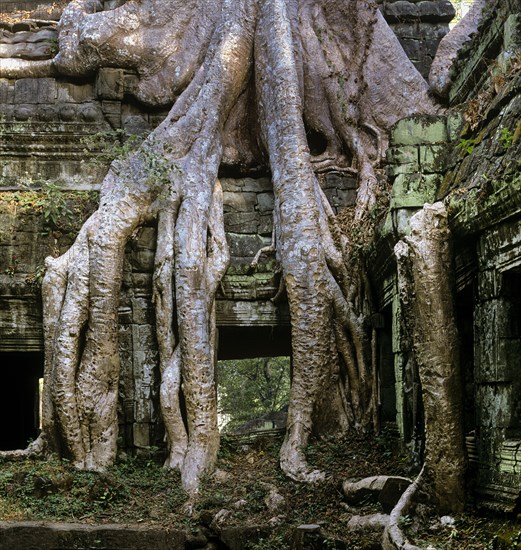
<point x="218" y="250"/>
<point x="344" y="393"/>
<point x="264" y="250"/>
<point x="281" y="291"/>
<point x="346" y="351"/>
<point x="271" y="249"/>
<point x="346" y="316"/>
<point x="380" y="152"/>
<point x="169" y="353"/>
<point x="334" y="257"/>
<point x="337" y="250"/>
<point x="367" y="189"/>
<point x="176" y="435"/>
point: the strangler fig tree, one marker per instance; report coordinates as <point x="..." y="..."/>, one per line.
<point x="248" y="80"/>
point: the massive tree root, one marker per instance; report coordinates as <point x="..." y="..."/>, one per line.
<point x="332" y="68"/>
<point x="333" y="373"/>
<point x="173" y="176"/>
<point x="424" y="261"/>
<point x="440" y="76"/>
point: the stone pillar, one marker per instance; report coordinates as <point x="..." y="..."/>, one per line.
<point x="497" y="372"/>
<point x="415" y="154"/>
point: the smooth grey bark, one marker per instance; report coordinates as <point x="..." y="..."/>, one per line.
<point x="304" y="65"/>
<point x="23" y="68"/>
<point x="424" y="266"/>
<point x="393" y="537"/>
<point x="440" y="77"/>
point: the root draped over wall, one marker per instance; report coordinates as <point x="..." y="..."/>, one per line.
<point x="424" y="261"/>
<point x="302" y="66"/>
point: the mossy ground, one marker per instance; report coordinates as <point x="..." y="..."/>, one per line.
<point x="138" y="490"/>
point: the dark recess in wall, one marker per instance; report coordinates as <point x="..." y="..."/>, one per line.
<point x="19" y="416"/>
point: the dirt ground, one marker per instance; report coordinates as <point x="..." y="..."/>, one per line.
<point x="247" y="489"/>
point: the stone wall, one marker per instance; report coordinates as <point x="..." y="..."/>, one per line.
<point x="419" y="26"/>
<point x="484" y="171"/>
<point x="25" y="240"/>
<point x="471" y="161"/>
<point x="244" y="298"/>
<point x="415" y="169"/>
<point x="472" y="164"/>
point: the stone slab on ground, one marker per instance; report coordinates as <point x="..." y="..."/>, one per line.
<point x="31" y="535"/>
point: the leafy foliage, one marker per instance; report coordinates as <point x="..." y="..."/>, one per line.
<point x="466" y="145"/>
<point x="107" y="146"/>
<point x="249" y="388"/>
<point x="54" y="489"/>
<point x="60" y="210"/>
<point x="506" y="137"/>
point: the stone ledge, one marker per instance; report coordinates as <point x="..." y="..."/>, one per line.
<point x="441" y="11"/>
<point x="29" y="535"/>
<point x="251" y="314"/>
<point x="418" y="130"/>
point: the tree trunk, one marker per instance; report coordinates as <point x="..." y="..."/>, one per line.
<point x="301" y="66"/>
<point x="424" y="267"/>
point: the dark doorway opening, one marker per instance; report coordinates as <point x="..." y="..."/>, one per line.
<point x="510" y="342"/>
<point x="386" y="369"/>
<point x="465" y="320"/>
<point x="19" y="398"/>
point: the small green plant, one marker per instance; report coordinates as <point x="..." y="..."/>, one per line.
<point x="505" y="541"/>
<point x="53" y="46"/>
<point x="515" y="542"/>
<point x="108" y="146"/>
<point x="274" y="542"/>
<point x="36" y="277"/>
<point x="12" y="267"/>
<point x="257" y="492"/>
<point x="53" y="489"/>
<point x="506" y="137"/>
<point x="405" y="521"/>
<point x="466" y="145"/>
<point x="55" y="210"/>
<point x="59" y="211"/>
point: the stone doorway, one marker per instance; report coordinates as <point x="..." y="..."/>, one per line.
<point x="253" y="376"/>
<point x="19" y="398"/>
<point x="386" y="368"/>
